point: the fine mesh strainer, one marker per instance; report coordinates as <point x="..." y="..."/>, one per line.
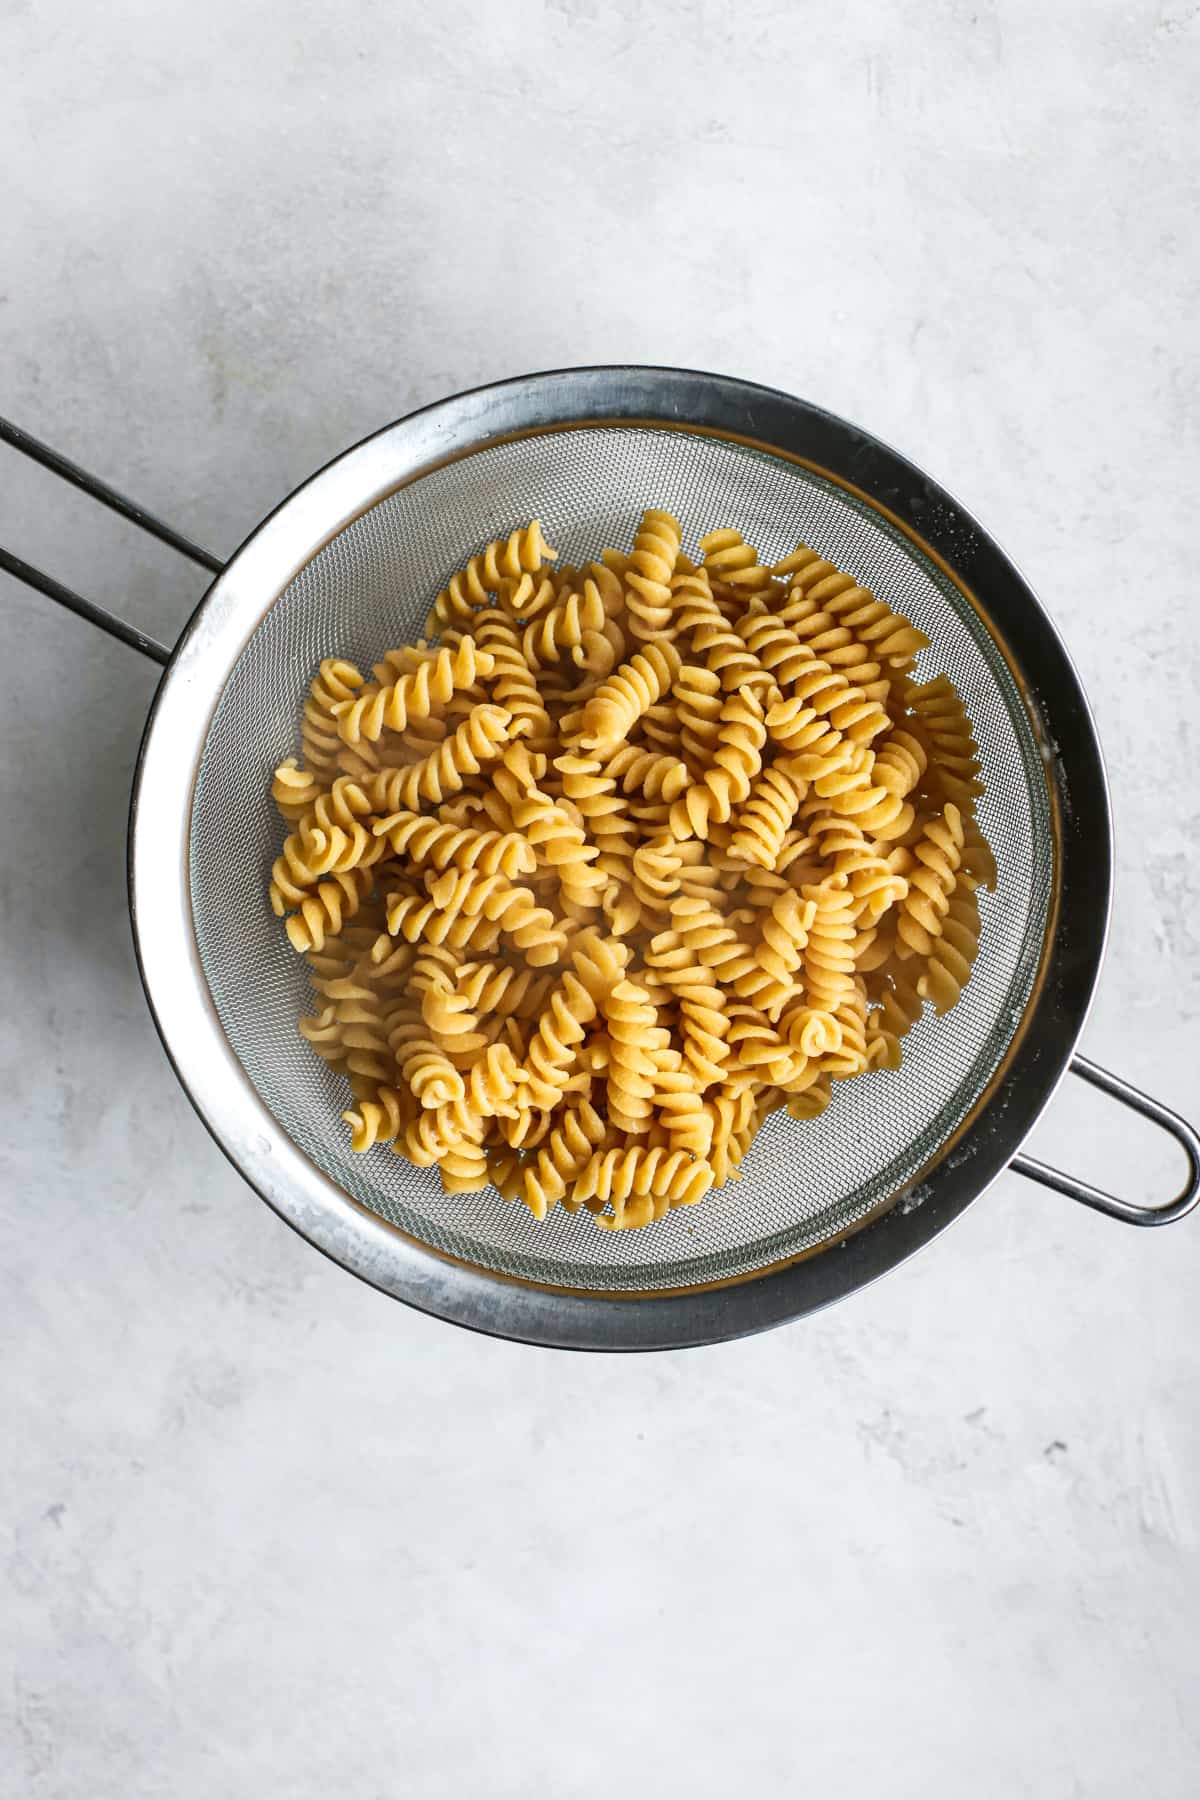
<point x="348" y="565"/>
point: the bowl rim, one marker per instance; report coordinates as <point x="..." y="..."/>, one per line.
<point x="160" y="821"/>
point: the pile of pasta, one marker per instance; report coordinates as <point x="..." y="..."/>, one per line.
<point x="621" y="858"/>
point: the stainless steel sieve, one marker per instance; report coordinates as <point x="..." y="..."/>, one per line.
<point x="347" y="565"/>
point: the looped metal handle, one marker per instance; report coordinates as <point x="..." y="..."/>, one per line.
<point x="118" y="503"/>
<point x="1128" y="1210"/>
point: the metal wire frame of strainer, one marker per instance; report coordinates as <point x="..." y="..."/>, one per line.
<point x="348" y="566"/>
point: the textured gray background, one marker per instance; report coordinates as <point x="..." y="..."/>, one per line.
<point x="263" y="1531"/>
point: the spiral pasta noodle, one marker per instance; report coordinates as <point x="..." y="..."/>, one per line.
<point x="413" y="696"/>
<point x="307" y="855"/>
<point x="876" y="810"/>
<point x="868" y="621"/>
<point x="730" y="562"/>
<point x="452" y="1024"/>
<point x="699" y="621"/>
<point x="763" y="822"/>
<point x="627" y="857"/>
<point x="874" y="883"/>
<point x="824" y="691"/>
<point x="505" y="559"/>
<point x="553" y="828"/>
<point x="650" y="772"/>
<point x="294" y="789"/>
<point x="427" y="840"/>
<point x="629" y="1016"/>
<point x="323" y="912"/>
<point x="697" y="696"/>
<point x="565" y="629"/>
<point x="828" y="954"/>
<point x="494" y="1083"/>
<point x="741" y="735"/>
<point x="757" y="1050"/>
<point x="590" y="788"/>
<point x="782" y="940"/>
<point x="334" y="685"/>
<point x="779" y="650"/>
<point x="620" y="701"/>
<point x="379" y="1120"/>
<point x="511" y="683"/>
<point x="476" y="741"/>
<point x="551" y="1174"/>
<point x="548" y="1065"/>
<point x="949" y="962"/>
<point x="424" y="1067"/>
<point x="641" y="1184"/>
<point x="648" y="574"/>
<point x="938" y="714"/>
<point x="462" y="904"/>
<point x="930" y="885"/>
<point x="704" y="1026"/>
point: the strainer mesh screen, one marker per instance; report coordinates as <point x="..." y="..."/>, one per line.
<point x="804" y="1184"/>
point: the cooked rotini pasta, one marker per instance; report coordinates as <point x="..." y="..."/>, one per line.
<point x="334" y="685"/>
<point x="729" y="561"/>
<point x="565" y="630"/>
<point x="762" y="823"/>
<point x="624" y="859"/>
<point x="648" y="574"/>
<point x="736" y="760"/>
<point x="432" y="683"/>
<point x="509" y="559"/>
<point x="619" y="702"/>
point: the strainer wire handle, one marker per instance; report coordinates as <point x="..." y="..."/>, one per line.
<point x="1128" y="1210"/>
<point x="61" y="466"/>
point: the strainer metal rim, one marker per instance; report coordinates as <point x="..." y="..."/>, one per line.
<point x="174" y="740"/>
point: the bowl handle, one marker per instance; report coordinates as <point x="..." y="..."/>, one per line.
<point x="1129" y="1210"/>
<point x="119" y="503"/>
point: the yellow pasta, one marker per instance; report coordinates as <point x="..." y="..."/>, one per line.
<point x="938" y="715"/>
<point x="783" y="938"/>
<point x="846" y="708"/>
<point x="829" y="951"/>
<point x="737" y="759"/>
<point x="868" y="622"/>
<point x="466" y="907"/>
<point x="567" y="629"/>
<point x="620" y="701"/>
<point x="512" y="684"/>
<point x="412" y="696"/>
<point x="627" y="857"/>
<point x="551" y="1174"/>
<point x="334" y="685"/>
<point x="650" y="772"/>
<point x="630" y="1019"/>
<point x="697" y="696"/>
<point x="477" y="740"/>
<point x="323" y="912"/>
<point x="592" y="790"/>
<point x="769" y="809"/>
<point x="294" y="789"/>
<point x="443" y="845"/>
<point x="635" y="1181"/>
<point x="548" y="1066"/>
<point x="495" y="1084"/>
<point x="930" y="885"/>
<point x="505" y="559"/>
<point x="730" y="561"/>
<point x="702" y="626"/>
<point x="648" y="574"/>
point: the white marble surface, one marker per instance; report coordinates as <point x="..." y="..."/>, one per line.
<point x="267" y="1533"/>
